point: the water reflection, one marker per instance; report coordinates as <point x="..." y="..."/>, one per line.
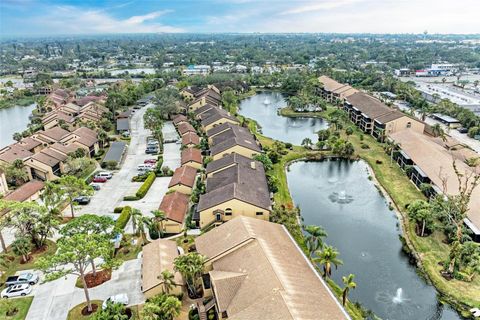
<point x="292" y="130"/>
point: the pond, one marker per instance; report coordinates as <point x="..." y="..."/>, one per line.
<point x="338" y="195"/>
<point x="13" y="119"/>
<point x="263" y="108"/>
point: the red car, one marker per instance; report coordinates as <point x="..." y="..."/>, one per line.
<point x="151" y="161"/>
<point x="99" y="179"/>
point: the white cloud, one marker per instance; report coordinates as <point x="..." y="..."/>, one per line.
<point x="70" y="19"/>
<point x="319" y="5"/>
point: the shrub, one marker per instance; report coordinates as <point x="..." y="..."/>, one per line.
<point x="142" y="191"/>
<point x="124" y="217"/>
<point x="111" y="165"/>
<point x="130" y="198"/>
<point x="365" y="146"/>
<point x="118" y="209"/>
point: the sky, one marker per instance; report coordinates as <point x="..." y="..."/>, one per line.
<point x="65" y="17"/>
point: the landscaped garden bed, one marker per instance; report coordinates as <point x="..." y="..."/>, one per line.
<point x="92" y="281"/>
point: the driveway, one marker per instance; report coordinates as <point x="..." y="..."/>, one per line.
<point x="112" y="192"/>
<point x="53" y="300"/>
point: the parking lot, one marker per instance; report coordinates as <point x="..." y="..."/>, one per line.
<point x="112" y="192"/>
<point x="53" y="300"/>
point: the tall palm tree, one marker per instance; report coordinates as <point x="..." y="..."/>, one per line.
<point x="168" y="281"/>
<point x="160" y="217"/>
<point x="349" y="284"/>
<point x="438" y="131"/>
<point x="314" y="238"/>
<point x="141" y="228"/>
<point x="327" y="257"/>
<point x="136" y="219"/>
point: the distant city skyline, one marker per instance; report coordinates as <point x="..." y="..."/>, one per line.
<point x="55" y="17"/>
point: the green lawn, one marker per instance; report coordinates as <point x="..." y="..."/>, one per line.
<point x="14" y="265"/>
<point x="431" y="250"/>
<point x="21" y="304"/>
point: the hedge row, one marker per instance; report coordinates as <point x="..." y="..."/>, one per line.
<point x="142" y="191"/>
<point x="124" y="217"/>
<point x="118" y="210"/>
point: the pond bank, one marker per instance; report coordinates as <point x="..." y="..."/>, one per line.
<point x="427" y="251"/>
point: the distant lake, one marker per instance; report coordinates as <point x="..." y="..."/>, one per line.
<point x="13" y="119"/>
<point x="263" y="108"/>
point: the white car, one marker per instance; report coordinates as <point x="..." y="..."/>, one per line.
<point x="119" y="298"/>
<point x="16" y="290"/>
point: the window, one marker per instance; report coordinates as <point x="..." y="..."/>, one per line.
<point x="409" y="124"/>
<point x="228" y="212"/>
<point x="259" y="213"/>
<point x="218" y="217"/>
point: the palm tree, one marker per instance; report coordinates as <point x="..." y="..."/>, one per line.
<point x="327" y="257"/>
<point x="438" y="131"/>
<point x="102" y="136"/>
<point x="136" y="219"/>
<point x="392" y="146"/>
<point x="349" y="284"/>
<point x="168" y="279"/>
<point x="190" y="265"/>
<point x="314" y="238"/>
<point x="307" y="143"/>
<point x="141" y="228"/>
<point x="160" y="217"/>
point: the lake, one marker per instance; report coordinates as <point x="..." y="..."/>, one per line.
<point x="292" y="130"/>
<point x="338" y="195"/>
<point x="13" y="119"/>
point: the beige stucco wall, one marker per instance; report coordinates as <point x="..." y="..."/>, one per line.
<point x="42" y="169"/>
<point x="181" y="188"/>
<point x="3" y="184"/>
<point x="160" y="289"/>
<point x="171" y="226"/>
<point x="192" y="164"/>
<point x="401" y="124"/>
<point x="239" y="208"/>
<point x="196" y="105"/>
<point x="218" y="122"/>
<point x="237" y="149"/>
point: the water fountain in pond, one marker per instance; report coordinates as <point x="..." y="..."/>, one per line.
<point x="398" y="297"/>
<point x="340" y="197"/>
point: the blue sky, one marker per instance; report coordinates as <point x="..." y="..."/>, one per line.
<point x="39" y="17"/>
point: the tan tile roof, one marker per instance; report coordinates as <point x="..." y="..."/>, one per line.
<point x="158" y="256"/>
<point x="215" y="114"/>
<point x="185" y="127"/>
<point x="49" y="157"/>
<point x="184" y="175"/>
<point x="175" y="206"/>
<point x="436" y="162"/>
<point x="55" y="133"/>
<point x="179" y="118"/>
<point x="330" y="84"/>
<point x="277" y="280"/>
<point x="368" y="105"/>
<point x="26" y="191"/>
<point x="191" y="154"/>
<point x="190" y="138"/>
<point x="28" y="143"/>
<point x="63" y="148"/>
<point x="13" y="152"/>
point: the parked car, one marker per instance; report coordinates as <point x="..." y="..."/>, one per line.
<point x="151" y="150"/>
<point x="105" y="174"/>
<point x="83" y="200"/>
<point x="151" y="161"/>
<point x="99" y="179"/>
<point x="119" y="298"/>
<point x="16" y="290"/>
<point x="462" y="130"/>
<point x="144" y="167"/>
<point x="95" y="186"/>
<point x="26" y="277"/>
